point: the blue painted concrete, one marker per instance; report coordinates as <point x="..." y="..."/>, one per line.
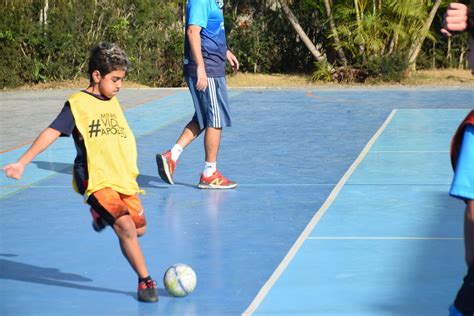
<point x="399" y="191"/>
<point x="367" y="277"/>
<point x="143" y="119"/>
<point x="287" y="150"/>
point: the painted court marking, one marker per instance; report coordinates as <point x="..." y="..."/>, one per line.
<point x="385" y="238"/>
<point x="319" y="214"/>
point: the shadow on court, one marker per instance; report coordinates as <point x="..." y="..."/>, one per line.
<point x="13" y="270"/>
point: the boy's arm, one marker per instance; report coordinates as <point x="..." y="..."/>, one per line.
<point x="46" y="138"/>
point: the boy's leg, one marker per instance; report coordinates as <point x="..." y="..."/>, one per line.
<point x="136" y="211"/>
<point x="126" y="231"/>
<point x="125" y="214"/>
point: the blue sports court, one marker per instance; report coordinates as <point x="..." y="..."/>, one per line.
<point x="342" y="208"/>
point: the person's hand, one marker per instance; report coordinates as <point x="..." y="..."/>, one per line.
<point x="455" y="19"/>
<point x="234" y="63"/>
<point x="14" y="170"/>
<point x="201" y="83"/>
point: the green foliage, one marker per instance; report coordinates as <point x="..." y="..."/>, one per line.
<point x="57" y="48"/>
<point x="387" y="68"/>
<point x="322" y="71"/>
<point x="374" y="37"/>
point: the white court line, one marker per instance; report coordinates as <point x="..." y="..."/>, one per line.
<point x="385" y="238"/>
<point x="307" y="231"/>
<point x="411" y="151"/>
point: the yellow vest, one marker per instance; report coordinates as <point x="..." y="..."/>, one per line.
<point x="110" y="144"/>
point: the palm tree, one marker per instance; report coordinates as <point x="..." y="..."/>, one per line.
<point x="420" y="38"/>
<point x="320" y="57"/>
<point x="337" y="42"/>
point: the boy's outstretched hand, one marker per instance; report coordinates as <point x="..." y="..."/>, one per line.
<point x="14" y="170"/>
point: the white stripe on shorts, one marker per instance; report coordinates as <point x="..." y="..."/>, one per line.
<point x="216" y="118"/>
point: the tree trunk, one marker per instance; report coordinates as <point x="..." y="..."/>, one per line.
<point x="44" y="16"/>
<point x="301" y="33"/>
<point x="448" y="53"/>
<point x="359" y="14"/>
<point x="461" y="57"/>
<point x="433" y="56"/>
<point x="340" y="51"/>
<point x="356" y="6"/>
<point x="418" y="42"/>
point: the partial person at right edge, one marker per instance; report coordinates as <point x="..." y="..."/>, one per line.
<point x="205" y="57"/>
<point x="460" y="18"/>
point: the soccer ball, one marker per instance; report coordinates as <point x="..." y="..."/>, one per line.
<point x="180" y="280"/>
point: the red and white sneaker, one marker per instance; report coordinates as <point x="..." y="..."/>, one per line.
<point x="215" y="181"/>
<point x="147" y="291"/>
<point x="166" y="166"/>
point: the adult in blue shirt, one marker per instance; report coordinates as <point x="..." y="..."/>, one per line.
<point x="204" y="67"/>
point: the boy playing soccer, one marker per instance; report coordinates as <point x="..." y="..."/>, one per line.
<point x="105" y="168"/>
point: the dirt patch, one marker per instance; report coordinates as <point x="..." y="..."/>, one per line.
<point x="448" y="77"/>
<point x="69" y="84"/>
<point x="443" y="78"/>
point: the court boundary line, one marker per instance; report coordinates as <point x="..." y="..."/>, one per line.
<point x="384" y="238"/>
<point x="262" y="293"/>
<point x="410" y="151"/>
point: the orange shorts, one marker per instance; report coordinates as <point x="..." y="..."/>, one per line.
<point x="111" y="205"/>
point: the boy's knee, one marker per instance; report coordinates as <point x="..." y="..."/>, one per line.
<point x="125" y="227"/>
<point x="141" y="231"/>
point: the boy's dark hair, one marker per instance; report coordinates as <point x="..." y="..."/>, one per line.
<point x="107" y="57"/>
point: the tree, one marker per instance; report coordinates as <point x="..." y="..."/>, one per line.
<point x="419" y="39"/>
<point x="337" y="42"/>
<point x="320" y="57"/>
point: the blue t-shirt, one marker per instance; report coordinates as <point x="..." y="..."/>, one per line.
<point x="463" y="181"/>
<point x="207" y="15"/>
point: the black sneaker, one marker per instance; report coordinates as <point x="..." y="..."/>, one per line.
<point x="97" y="222"/>
<point x="147" y="291"/>
<point x="464" y="301"/>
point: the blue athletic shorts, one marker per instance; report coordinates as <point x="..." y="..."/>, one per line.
<point x="463" y="182"/>
<point x="212" y="105"/>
